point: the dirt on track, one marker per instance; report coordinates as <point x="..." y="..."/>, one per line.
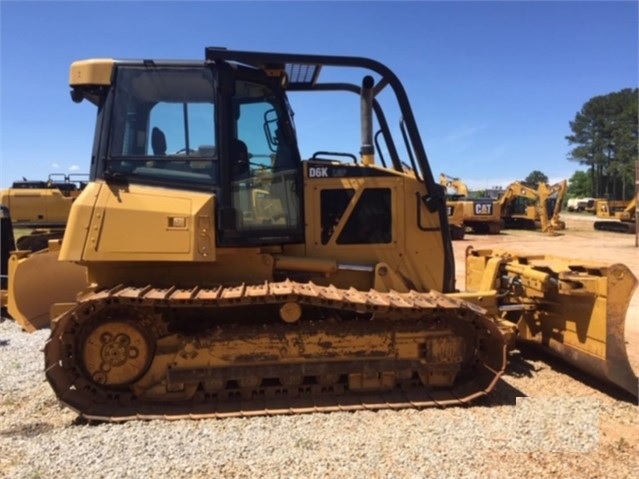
<point x="578" y="241"/>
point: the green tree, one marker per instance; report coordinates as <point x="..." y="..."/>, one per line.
<point x="605" y="134"/>
<point x="579" y="185"/>
<point x="535" y="177"/>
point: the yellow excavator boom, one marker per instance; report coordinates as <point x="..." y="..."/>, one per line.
<point x="457" y="186"/>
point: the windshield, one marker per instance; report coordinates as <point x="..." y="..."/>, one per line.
<point x="163" y="124"/>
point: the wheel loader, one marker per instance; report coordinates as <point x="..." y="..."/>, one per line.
<point x="228" y="276"/>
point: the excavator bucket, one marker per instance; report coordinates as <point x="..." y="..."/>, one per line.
<point x="32" y="290"/>
<point x="574" y="309"/>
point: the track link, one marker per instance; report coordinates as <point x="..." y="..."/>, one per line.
<point x="616" y="226"/>
<point x="170" y="353"/>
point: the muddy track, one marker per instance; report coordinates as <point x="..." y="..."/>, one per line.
<point x="124" y="353"/>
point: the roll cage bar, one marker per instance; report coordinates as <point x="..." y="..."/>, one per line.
<point x="302" y="74"/>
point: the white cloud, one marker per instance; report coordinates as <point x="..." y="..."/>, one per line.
<point x="55" y="166"/>
<point x="461" y="133"/>
<point x="74" y="168"/>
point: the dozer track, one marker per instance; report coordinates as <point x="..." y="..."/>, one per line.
<point x="271" y="348"/>
<point x="616" y="226"/>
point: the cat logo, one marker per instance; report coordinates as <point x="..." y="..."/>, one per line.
<point x="318" y="172"/>
<point x="449" y="210"/>
<point x="483" y="208"/>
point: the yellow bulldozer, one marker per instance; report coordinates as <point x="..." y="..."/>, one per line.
<point x="524" y="206"/>
<point x="480" y="215"/>
<point x="39" y="209"/>
<point x="617" y="216"/>
<point x="35" y="214"/>
<point x="227" y="276"/>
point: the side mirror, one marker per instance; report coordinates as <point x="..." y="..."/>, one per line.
<point x="77" y="96"/>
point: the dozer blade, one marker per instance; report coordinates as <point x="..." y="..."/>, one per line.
<point x="36" y="282"/>
<point x="575" y="309"/>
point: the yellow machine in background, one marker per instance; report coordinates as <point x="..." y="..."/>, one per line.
<point x="32" y="280"/>
<point x="525" y="207"/>
<point x="456" y="220"/>
<point x="454" y="208"/>
<point x="621" y="216"/>
<point x="7" y="244"/>
<point x="227" y="276"/>
<point x="481" y="215"/>
<point x="41" y="208"/>
<point x="456" y="185"/>
<point x="552" y="197"/>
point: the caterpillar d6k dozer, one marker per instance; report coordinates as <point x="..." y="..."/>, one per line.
<point x="229" y="277"/>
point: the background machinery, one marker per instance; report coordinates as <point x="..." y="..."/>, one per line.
<point x="454" y="208"/>
<point x="7" y="244"/>
<point x="228" y="276"/>
<point x="619" y="216"/>
<point x="481" y="215"/>
<point x="552" y="197"/>
<point x="39" y="209"/>
<point x="524" y="206"/>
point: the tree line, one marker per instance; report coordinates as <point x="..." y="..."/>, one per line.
<point x="605" y="139"/>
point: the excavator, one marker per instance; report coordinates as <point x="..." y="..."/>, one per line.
<point x="621" y="216"/>
<point x="481" y="215"/>
<point x="552" y="197"/>
<point x="228" y="276"/>
<point x="524" y="206"/>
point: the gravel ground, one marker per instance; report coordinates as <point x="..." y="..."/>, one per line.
<point x="544" y="419"/>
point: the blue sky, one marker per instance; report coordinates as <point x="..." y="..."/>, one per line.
<point x="493" y="85"/>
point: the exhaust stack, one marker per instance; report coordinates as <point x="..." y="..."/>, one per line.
<point x="367" y="151"/>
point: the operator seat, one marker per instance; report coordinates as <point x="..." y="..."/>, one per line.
<point x="239" y="159"/>
<point x="158" y="142"/>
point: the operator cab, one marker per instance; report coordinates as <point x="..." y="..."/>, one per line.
<point x="204" y="127"/>
<point x="224" y="126"/>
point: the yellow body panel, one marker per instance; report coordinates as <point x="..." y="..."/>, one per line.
<point x="172" y="225"/>
<point x="179" y="237"/>
<point x="96" y="71"/>
<point x="37" y="205"/>
<point x="413" y="226"/>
